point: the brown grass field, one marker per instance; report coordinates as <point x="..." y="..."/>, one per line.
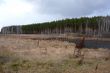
<point x="34" y="54"/>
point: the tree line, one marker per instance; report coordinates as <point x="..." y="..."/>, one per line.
<point x="81" y="25"/>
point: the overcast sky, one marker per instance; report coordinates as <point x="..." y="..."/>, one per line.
<point x="20" y="12"/>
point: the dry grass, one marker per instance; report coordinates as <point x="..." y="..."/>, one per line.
<point x="18" y="55"/>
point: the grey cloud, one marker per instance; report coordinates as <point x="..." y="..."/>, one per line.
<point x="71" y="8"/>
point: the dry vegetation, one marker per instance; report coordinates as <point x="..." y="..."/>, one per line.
<point x="20" y="55"/>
